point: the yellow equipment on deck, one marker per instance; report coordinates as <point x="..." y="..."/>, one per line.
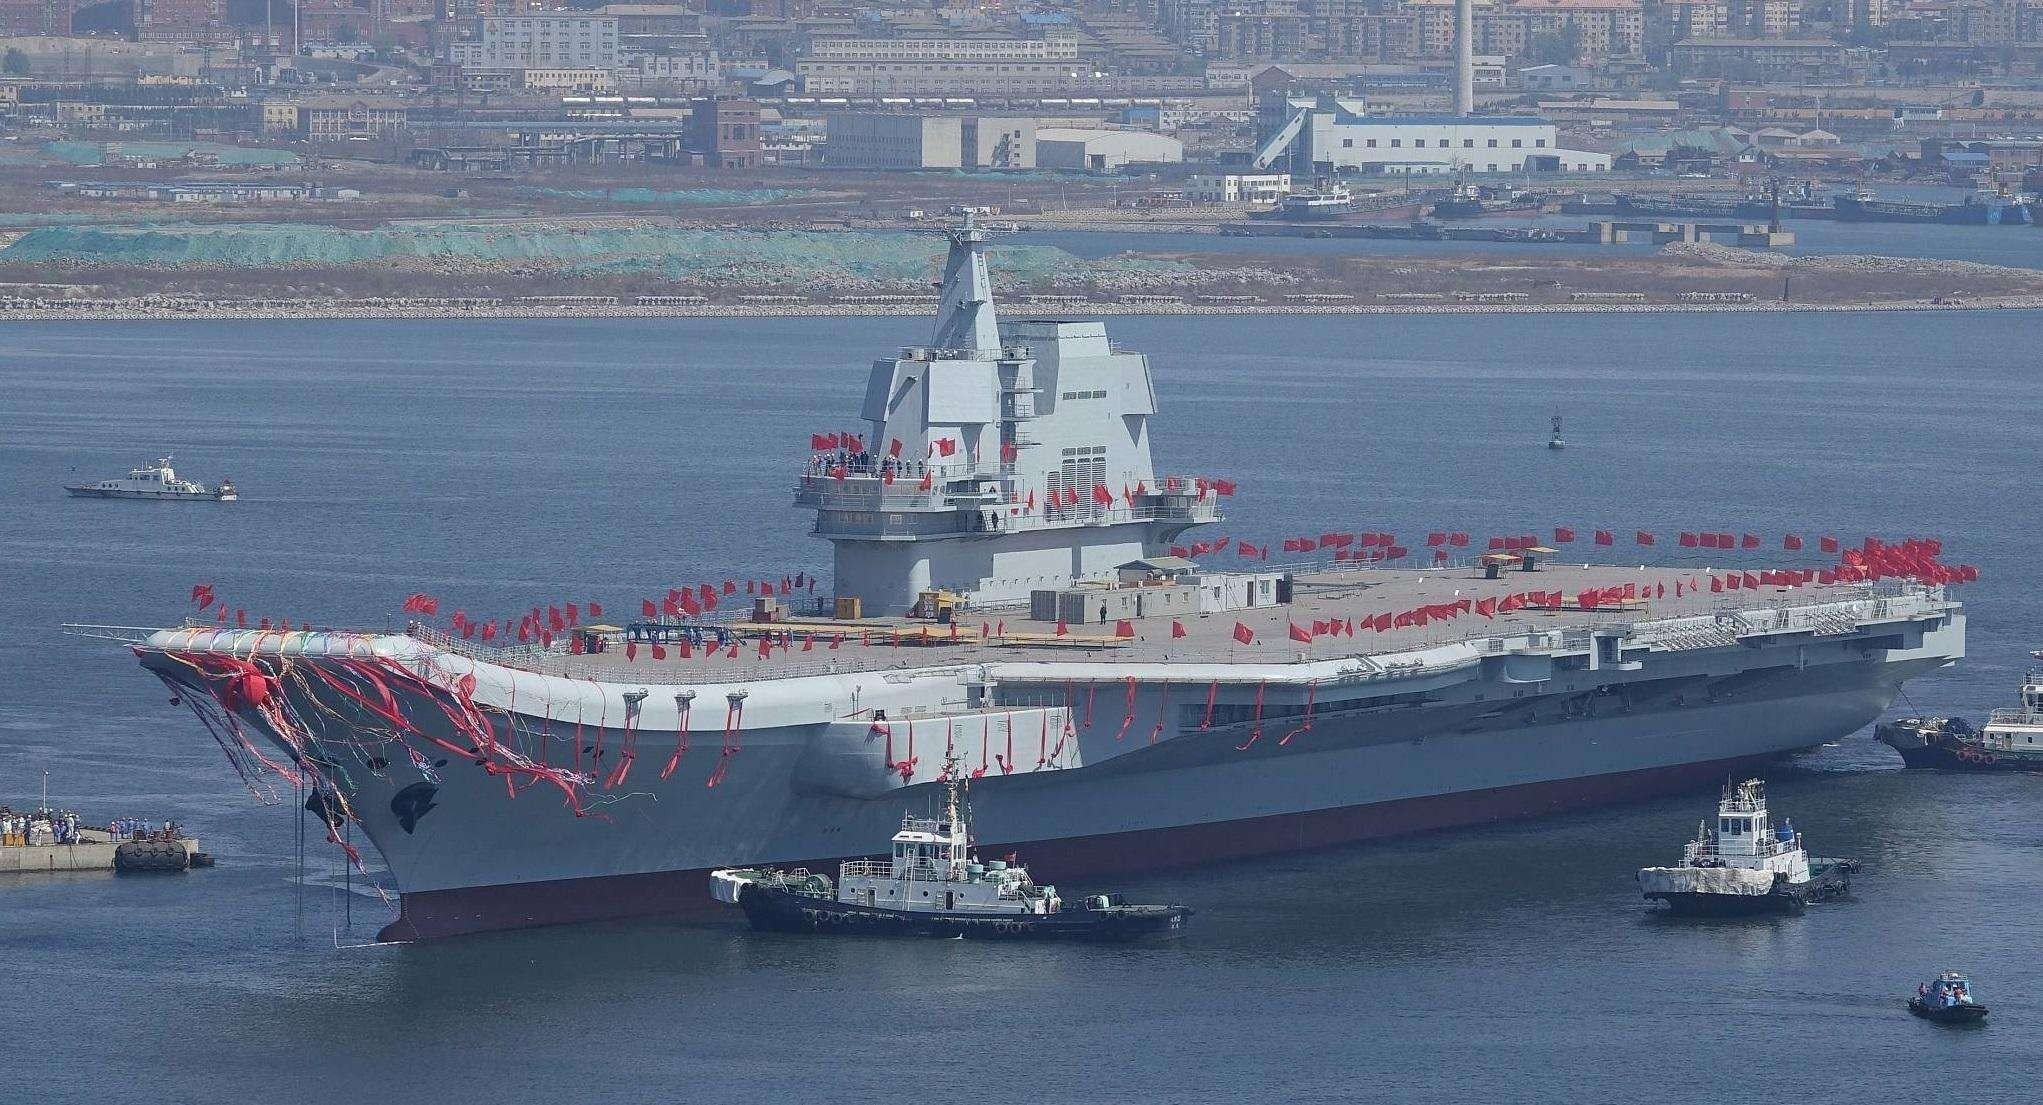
<point x="936" y="605"/>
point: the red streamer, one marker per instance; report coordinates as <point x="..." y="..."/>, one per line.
<point x="1311" y="689"/>
<point x="1256" y="732"/>
<point x="682" y="704"/>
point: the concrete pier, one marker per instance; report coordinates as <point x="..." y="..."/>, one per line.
<point x="1614" y="231"/>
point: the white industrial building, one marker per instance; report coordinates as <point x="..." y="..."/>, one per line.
<point x="1259" y="188"/>
<point x="1103" y="150"/>
<point x="883" y="140"/>
<point x="1333" y="135"/>
<point x="540" y="42"/>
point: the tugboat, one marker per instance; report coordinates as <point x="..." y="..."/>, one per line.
<point x="154" y="481"/>
<point x="1743" y="865"/>
<point x="1947" y="999"/>
<point x="1557" y="441"/>
<point x="2011" y="741"/>
<point x="934" y="886"/>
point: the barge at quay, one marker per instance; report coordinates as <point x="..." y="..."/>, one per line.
<point x="1119" y="707"/>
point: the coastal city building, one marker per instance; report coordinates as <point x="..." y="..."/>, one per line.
<point x="540" y="42"/>
<point x="883" y="140"/>
<point x="880" y="67"/>
<point x="1231" y="188"/>
<point x="1099" y="150"/>
<point x="1332" y="135"/>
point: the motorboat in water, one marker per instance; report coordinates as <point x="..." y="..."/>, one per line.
<point x="1947" y="999"/>
<point x="154" y="481"/>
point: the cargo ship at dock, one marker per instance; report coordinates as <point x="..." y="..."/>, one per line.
<point x="1119" y="707"/>
<point x="1990" y="206"/>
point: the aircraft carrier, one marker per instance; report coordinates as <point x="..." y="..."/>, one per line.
<point x="1119" y="706"/>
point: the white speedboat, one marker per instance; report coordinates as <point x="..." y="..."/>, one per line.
<point x="154" y="481"/>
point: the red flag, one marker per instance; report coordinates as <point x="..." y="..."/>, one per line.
<point x="928" y="481"/>
<point x="1687" y="540"/>
<point x="1751" y="581"/>
<point x="1298" y="634"/>
<point x="1124" y="628"/>
<point x="1177" y="629"/>
<point x="1244" y="634"/>
<point x="894" y="447"/>
<point x="1791" y="543"/>
<point x="646" y="609"/>
<point x="631" y="650"/>
<point x="1827" y="544"/>
<point x="659" y="652"/>
<point x="730" y="587"/>
<point x="1486" y="607"/>
<point x="1709" y="541"/>
<point x="1062" y="628"/>
<point x="1603" y="537"/>
<point x="1563" y="535"/>
<point x="1435" y="540"/>
<point x="1749" y="541"/>
<point x="1644" y="538"/>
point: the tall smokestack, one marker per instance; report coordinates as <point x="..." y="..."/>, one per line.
<point x="1464" y="57"/>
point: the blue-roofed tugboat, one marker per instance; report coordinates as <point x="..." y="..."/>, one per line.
<point x="2012" y="739"/>
<point x="1947" y="999"/>
<point x="932" y="885"/>
<point x="1743" y="865"/>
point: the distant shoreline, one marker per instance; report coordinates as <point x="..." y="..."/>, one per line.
<point x="341" y="312"/>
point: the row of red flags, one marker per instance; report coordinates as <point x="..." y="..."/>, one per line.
<point x="1375" y="547"/>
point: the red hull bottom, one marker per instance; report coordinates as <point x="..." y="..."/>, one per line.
<point x="433" y="914"/>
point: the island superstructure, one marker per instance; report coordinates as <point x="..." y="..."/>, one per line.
<point x="1000" y="459"/>
<point x="1140" y="709"/>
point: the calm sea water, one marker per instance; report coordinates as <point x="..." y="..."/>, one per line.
<point x="496" y="464"/>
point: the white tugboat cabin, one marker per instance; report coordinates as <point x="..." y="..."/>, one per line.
<point x="932" y="869"/>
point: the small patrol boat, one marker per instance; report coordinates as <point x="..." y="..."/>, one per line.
<point x="154" y="481"/>
<point x="1742" y="865"/>
<point x="2011" y="740"/>
<point x="933" y="886"/>
<point x="1947" y="999"/>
